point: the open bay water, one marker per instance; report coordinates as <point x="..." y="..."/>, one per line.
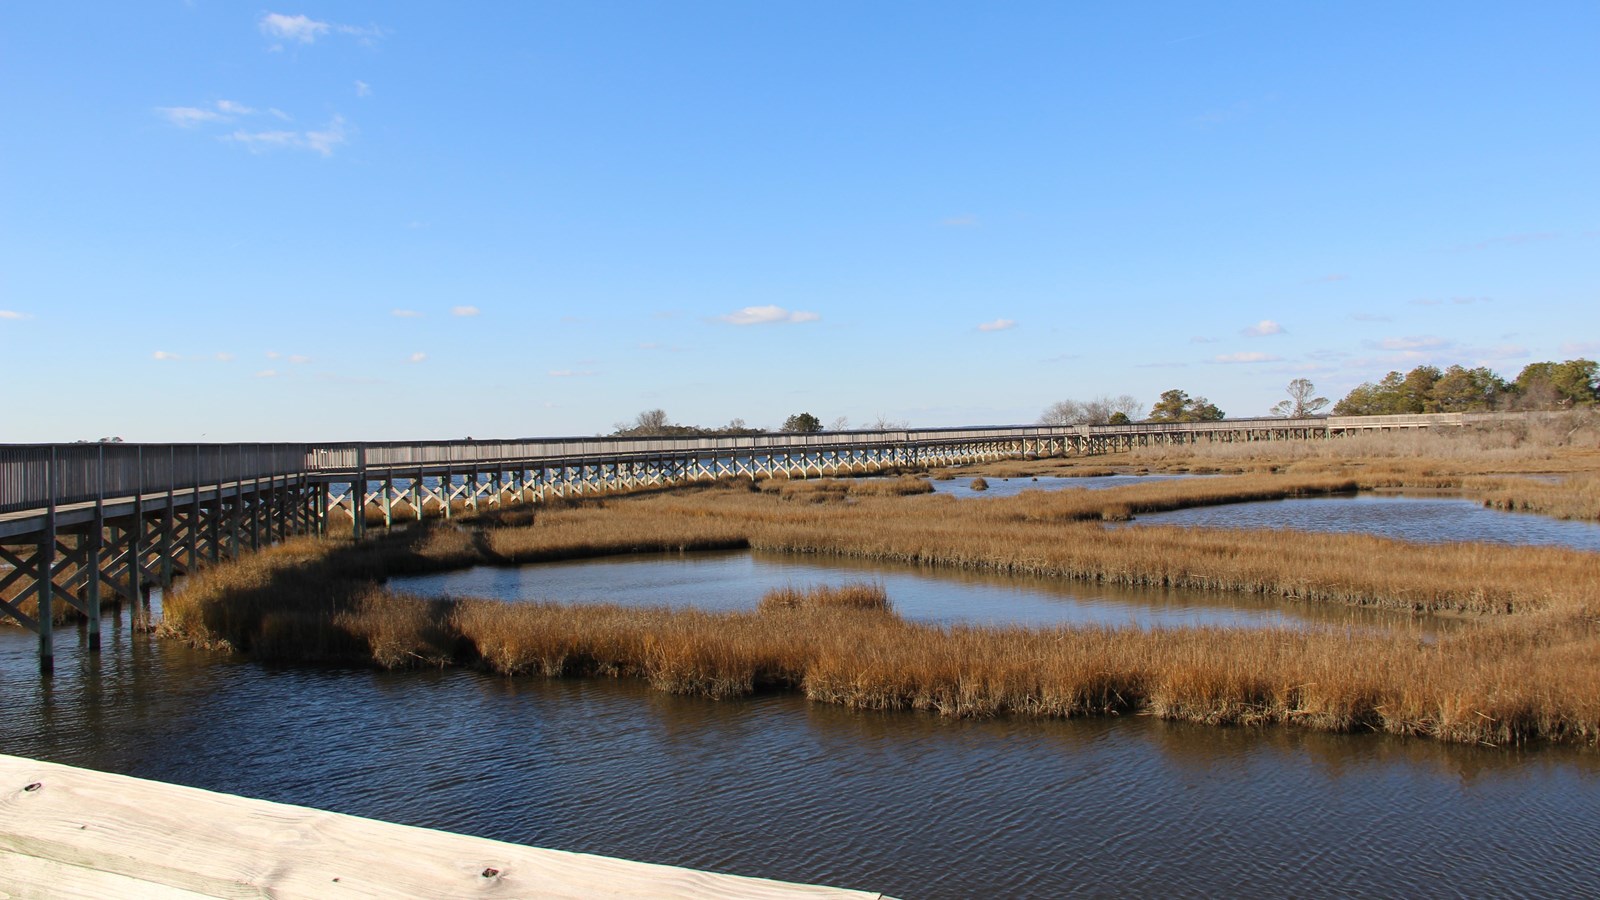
<point x="906" y="803"/>
<point x="1407" y="518"/>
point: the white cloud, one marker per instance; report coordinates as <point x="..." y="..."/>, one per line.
<point x="13" y="314"/>
<point x="267" y="373"/>
<point x="189" y="116"/>
<point x="165" y="356"/>
<point x="405" y="314"/>
<point x="1575" y="348"/>
<point x="998" y="325"/>
<point x="1247" y="357"/>
<point x="417" y="357"/>
<point x="223" y="356"/>
<point x="464" y="311"/>
<point x="363" y="89"/>
<point x="1370" y="317"/>
<point x="1262" y="328"/>
<point x="323" y="142"/>
<point x="263" y="139"/>
<point x="230" y="108"/>
<point x="300" y="29"/>
<point x="273" y="354"/>
<point x="570" y="373"/>
<point x="1201" y="339"/>
<point x="762" y="315"/>
<point x="298" y="360"/>
<point x="1423" y="342"/>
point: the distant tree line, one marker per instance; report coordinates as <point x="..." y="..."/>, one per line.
<point x="1427" y="389"/>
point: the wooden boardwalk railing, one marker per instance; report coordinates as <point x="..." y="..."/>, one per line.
<point x="79" y="521"/>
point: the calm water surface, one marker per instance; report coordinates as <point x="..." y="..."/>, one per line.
<point x="1010" y="487"/>
<point x="1432" y="519"/>
<point x="736" y="580"/>
<point x="909" y="804"/>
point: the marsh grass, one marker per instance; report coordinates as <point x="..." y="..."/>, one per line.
<point x="1530" y="670"/>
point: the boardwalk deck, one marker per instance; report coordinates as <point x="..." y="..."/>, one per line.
<point x="69" y="832"/>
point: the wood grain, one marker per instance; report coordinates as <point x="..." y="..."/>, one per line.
<point x="69" y="832"/>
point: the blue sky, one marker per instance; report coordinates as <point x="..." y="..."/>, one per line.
<point x="332" y="221"/>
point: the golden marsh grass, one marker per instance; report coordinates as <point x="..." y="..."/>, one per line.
<point x="1529" y="670"/>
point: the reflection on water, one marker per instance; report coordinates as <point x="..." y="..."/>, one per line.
<point x="736" y="580"/>
<point x="910" y="804"/>
<point x="1010" y="487"/>
<point x="1431" y="519"/>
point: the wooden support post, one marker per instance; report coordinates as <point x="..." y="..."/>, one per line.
<point x="193" y="535"/>
<point x="447" y="488"/>
<point x="358" y="496"/>
<point x="388" y="499"/>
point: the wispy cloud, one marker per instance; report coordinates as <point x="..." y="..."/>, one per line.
<point x="299" y="360"/>
<point x="464" y="311"/>
<point x="13" y="315"/>
<point x="1418" y="342"/>
<point x="223" y="356"/>
<point x="998" y="325"/>
<point x="767" y="315"/>
<point x="571" y="373"/>
<point x="323" y="141"/>
<point x="219" y="111"/>
<point x="417" y="357"/>
<point x="189" y="116"/>
<point x="302" y="29"/>
<point x="268" y="373"/>
<point x="1202" y="339"/>
<point x="164" y="356"/>
<point x="363" y="89"/>
<point x="1263" y="328"/>
<point x="966" y="220"/>
<point x="405" y="314"/>
<point x="1370" y="317"/>
<point x="1458" y="301"/>
<point x="1246" y="357"/>
<point x="1578" y="348"/>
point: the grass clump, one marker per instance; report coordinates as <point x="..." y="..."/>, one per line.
<point x="859" y="596"/>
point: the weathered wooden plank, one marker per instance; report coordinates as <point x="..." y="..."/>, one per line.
<point x="69" y="832"/>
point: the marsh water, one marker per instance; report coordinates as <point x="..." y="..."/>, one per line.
<point x="910" y="804"/>
<point x="736" y="580"/>
<point x="1407" y="518"/>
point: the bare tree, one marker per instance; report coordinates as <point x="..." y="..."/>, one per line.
<point x="884" y="423"/>
<point x="842" y="423"/>
<point x="649" y="422"/>
<point x="1301" y="403"/>
<point x="1097" y="411"/>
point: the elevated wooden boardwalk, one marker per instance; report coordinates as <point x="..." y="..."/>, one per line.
<point x="80" y="522"/>
<point x="69" y="832"/>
